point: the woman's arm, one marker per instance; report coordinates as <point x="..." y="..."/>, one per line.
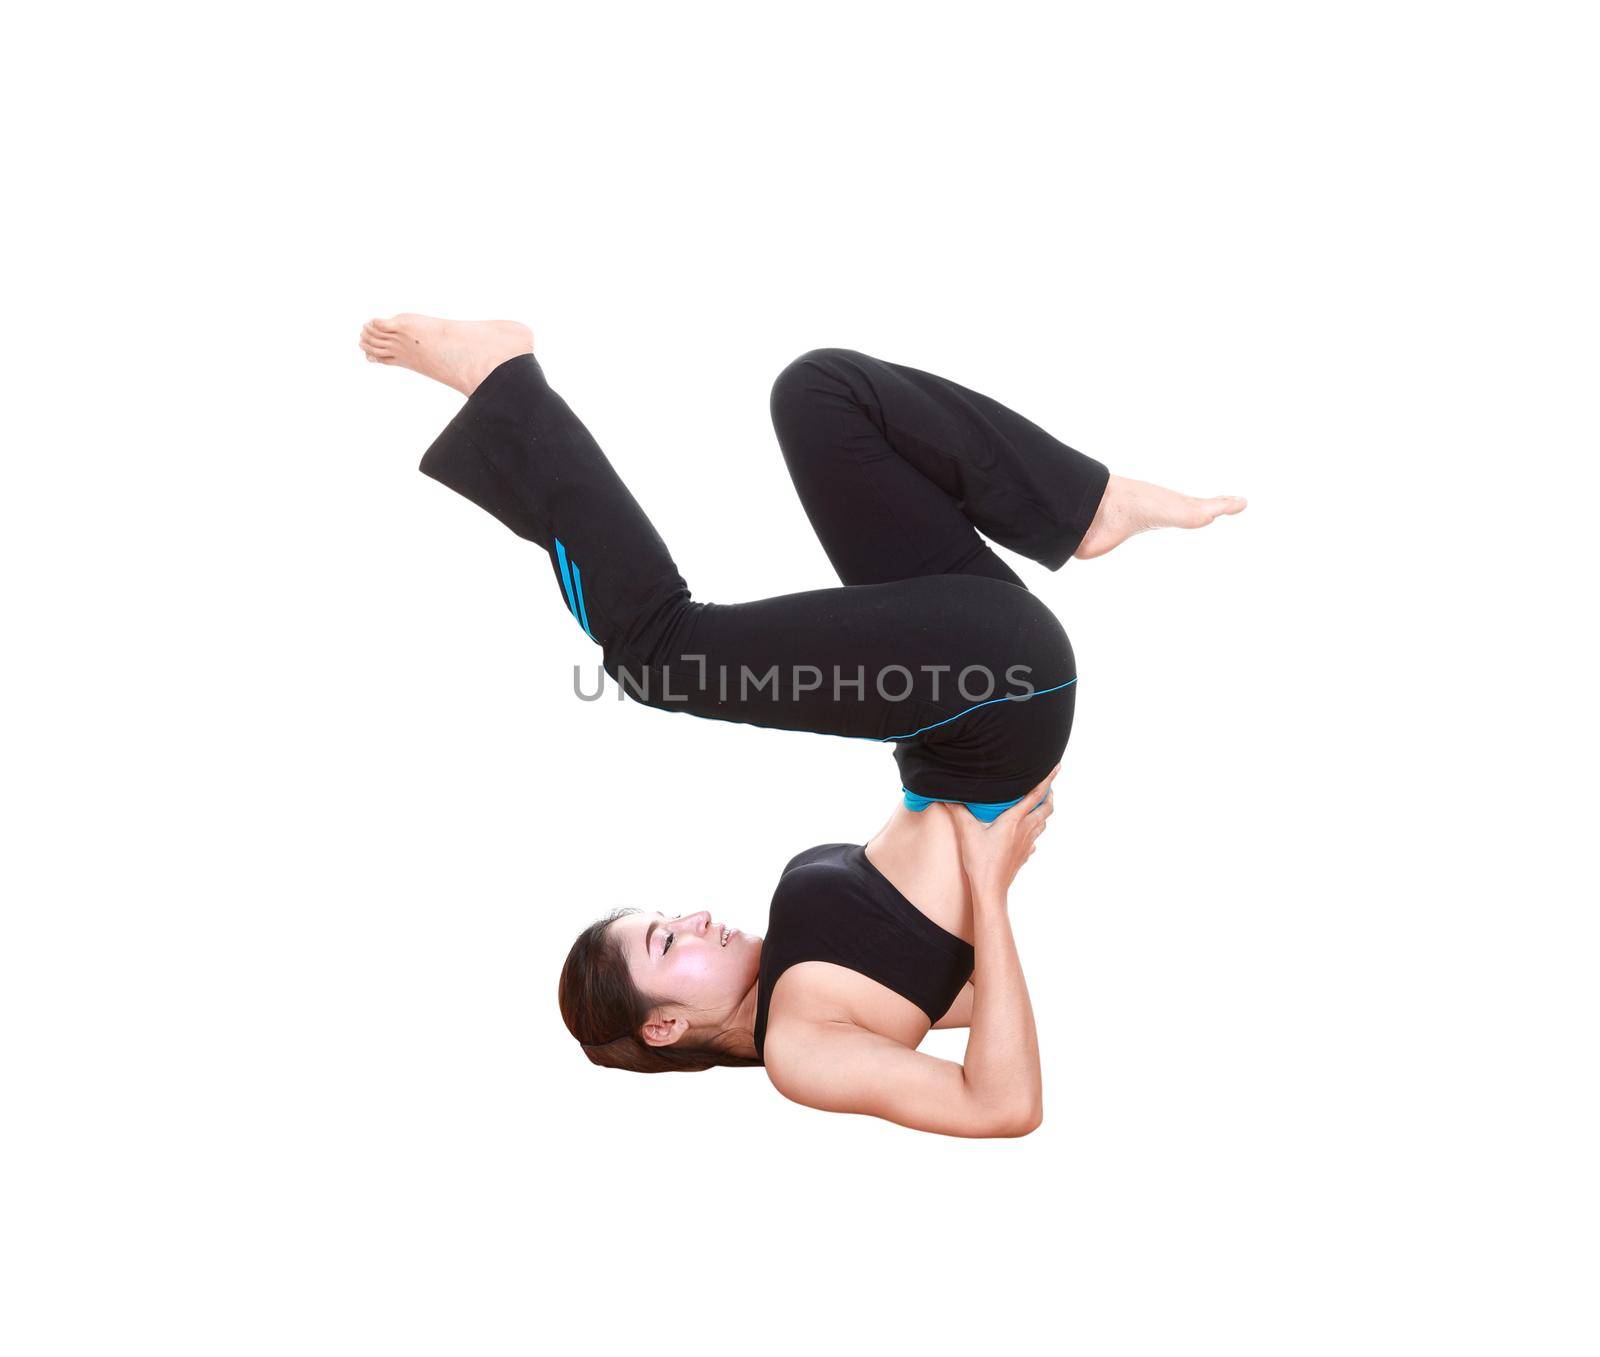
<point x="1002" y="1061"/>
<point x="996" y="1090"/>
<point x="848" y="1069"/>
<point x="959" y="1014"/>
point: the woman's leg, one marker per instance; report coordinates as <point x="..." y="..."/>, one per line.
<point x="885" y="661"/>
<point x="517" y="450"/>
<point x="899" y="470"/>
<point x="880" y="661"/>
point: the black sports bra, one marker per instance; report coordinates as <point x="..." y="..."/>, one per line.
<point x="832" y="904"/>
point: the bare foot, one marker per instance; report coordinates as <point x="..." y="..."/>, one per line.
<point x="1128" y="507"/>
<point x="459" y="353"/>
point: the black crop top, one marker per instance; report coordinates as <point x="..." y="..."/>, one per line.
<point x="832" y="904"/>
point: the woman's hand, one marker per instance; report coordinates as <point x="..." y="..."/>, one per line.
<point x="993" y="854"/>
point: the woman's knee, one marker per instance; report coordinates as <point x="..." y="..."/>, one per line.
<point x="814" y="371"/>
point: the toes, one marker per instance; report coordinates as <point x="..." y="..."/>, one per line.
<point x="375" y="342"/>
<point x="378" y="347"/>
<point x="1216" y="507"/>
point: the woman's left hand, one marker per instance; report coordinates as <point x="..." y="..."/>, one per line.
<point x="993" y="854"/>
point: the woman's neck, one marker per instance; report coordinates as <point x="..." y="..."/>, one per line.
<point x="738" y="1035"/>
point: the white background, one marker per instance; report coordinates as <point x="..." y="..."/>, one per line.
<point x="302" y="815"/>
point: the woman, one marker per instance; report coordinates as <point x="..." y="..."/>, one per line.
<point x="932" y="645"/>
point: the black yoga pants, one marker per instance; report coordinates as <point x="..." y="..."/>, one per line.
<point x="932" y="645"/>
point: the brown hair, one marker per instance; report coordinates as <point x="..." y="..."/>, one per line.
<point x="604" y="1010"/>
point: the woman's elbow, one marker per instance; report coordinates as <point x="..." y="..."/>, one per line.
<point x="1030" y="1122"/>
<point x="1017" y="1122"/>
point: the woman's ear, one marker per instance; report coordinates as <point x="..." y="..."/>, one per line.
<point x="663" y="1031"/>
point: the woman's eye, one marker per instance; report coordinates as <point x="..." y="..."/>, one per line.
<point x="667" y="947"/>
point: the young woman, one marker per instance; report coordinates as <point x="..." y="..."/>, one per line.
<point x="932" y="646"/>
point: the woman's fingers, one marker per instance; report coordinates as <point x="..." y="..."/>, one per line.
<point x="1027" y="805"/>
<point x="1039" y="801"/>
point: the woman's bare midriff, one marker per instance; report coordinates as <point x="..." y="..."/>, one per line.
<point x="917" y="852"/>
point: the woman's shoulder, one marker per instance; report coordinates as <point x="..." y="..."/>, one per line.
<point x="801" y="1046"/>
<point x="817" y="1001"/>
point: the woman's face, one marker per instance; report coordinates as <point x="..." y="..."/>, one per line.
<point x="686" y="962"/>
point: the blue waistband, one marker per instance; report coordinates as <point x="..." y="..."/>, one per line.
<point x="985" y="810"/>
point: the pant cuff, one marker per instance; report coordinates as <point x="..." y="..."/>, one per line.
<point x="1058" y="548"/>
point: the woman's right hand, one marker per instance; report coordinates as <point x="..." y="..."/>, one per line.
<point x="992" y="854"/>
